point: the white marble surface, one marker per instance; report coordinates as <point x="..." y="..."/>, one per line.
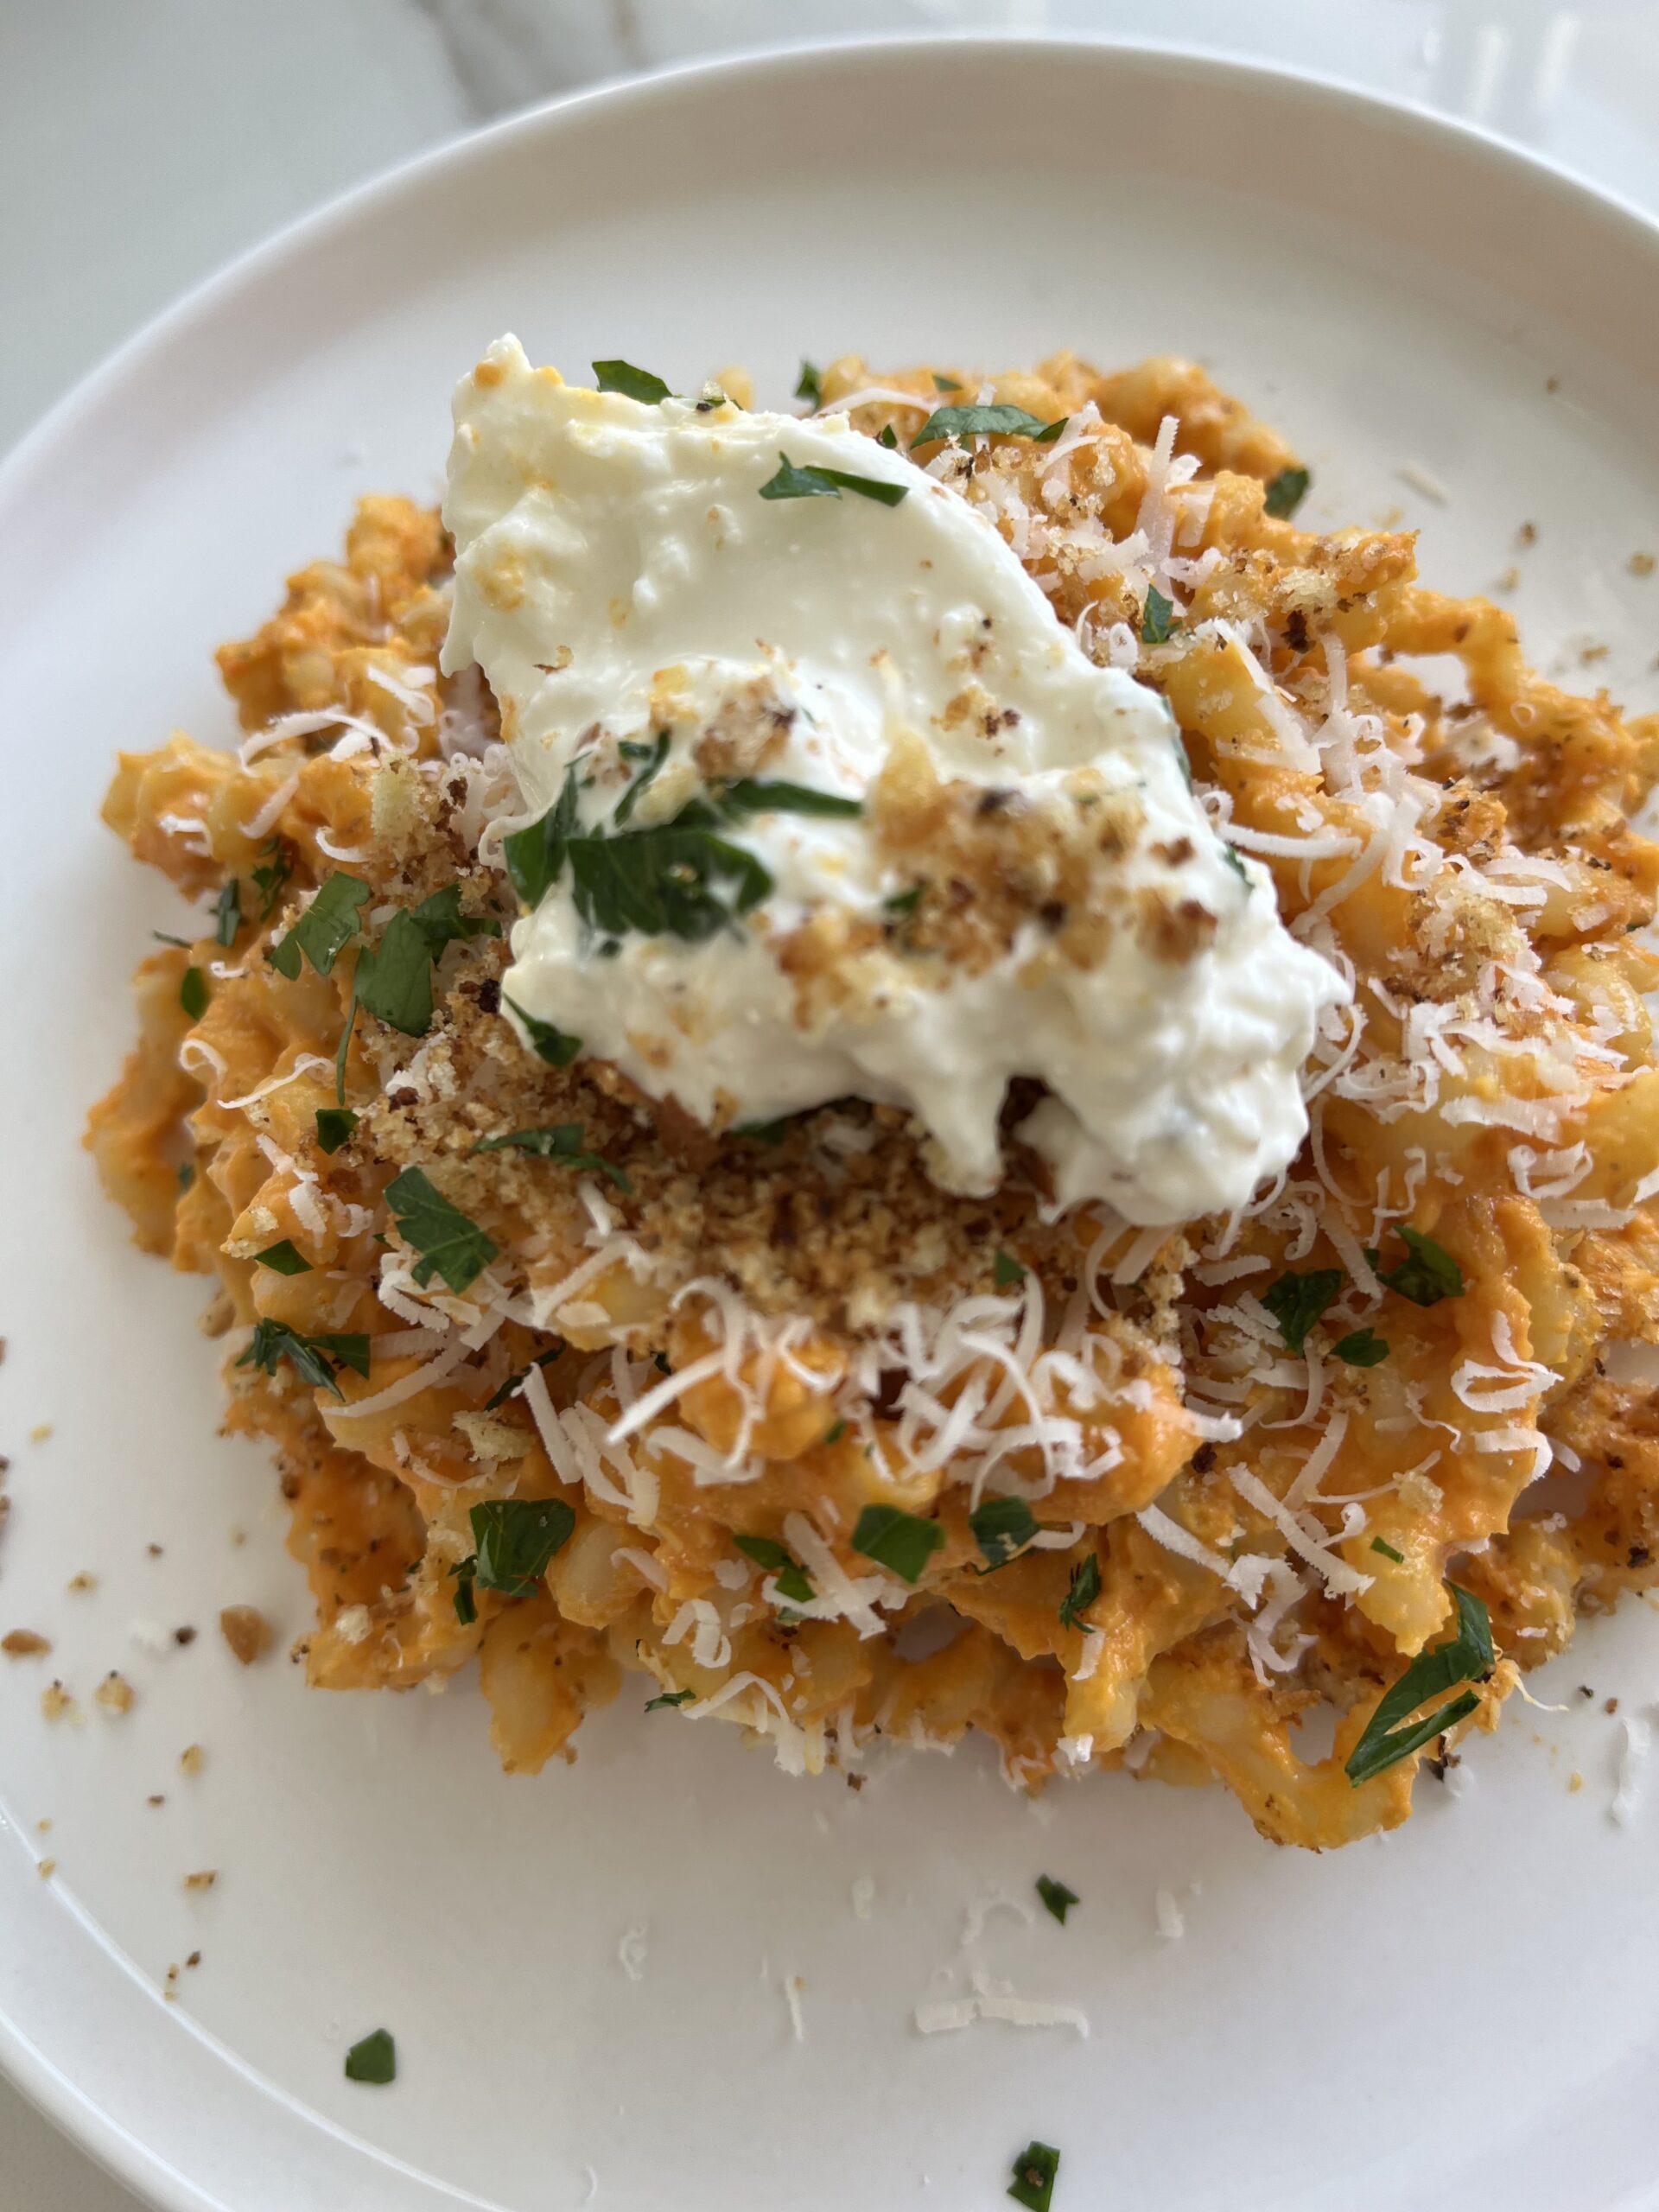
<point x="143" y="143"/>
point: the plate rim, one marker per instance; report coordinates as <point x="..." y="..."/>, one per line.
<point x="46" y="2084"/>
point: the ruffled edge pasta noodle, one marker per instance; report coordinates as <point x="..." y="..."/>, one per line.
<point x="814" y="1447"/>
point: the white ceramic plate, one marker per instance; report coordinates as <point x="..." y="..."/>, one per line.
<point x="1466" y="2013"/>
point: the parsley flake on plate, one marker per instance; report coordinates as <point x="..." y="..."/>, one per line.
<point x="450" y="1243"/>
<point x="793" y="1581"/>
<point x="1033" y="2176"/>
<point x="1467" y="1656"/>
<point x="334" y="1127"/>
<point x="1285" y="491"/>
<point x="227" y="912"/>
<point x="517" y="1377"/>
<point x="1426" y="1276"/>
<point x="374" y="2059"/>
<point x="811" y="483"/>
<point x="1081" y="1592"/>
<point x="754" y="795"/>
<point x="561" y="1143"/>
<point x="514" y="1539"/>
<point x="810" y="385"/>
<point x="1006" y="1272"/>
<point x="547" y="1041"/>
<point x="192" y="993"/>
<point x="324" y="930"/>
<point x="315" y="1360"/>
<point x="1057" y="1898"/>
<point x="1387" y="1551"/>
<point x="998" y="422"/>
<point x="632" y="383"/>
<point x="272" y="879"/>
<point x="1361" y="1348"/>
<point x="394" y="978"/>
<point x="903" y="1541"/>
<point x="440" y="921"/>
<point x="1157" y="618"/>
<point x="669" y="1697"/>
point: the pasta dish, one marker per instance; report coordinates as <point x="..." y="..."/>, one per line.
<point x="912" y="1067"/>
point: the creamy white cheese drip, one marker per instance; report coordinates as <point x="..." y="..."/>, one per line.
<point x="618" y="576"/>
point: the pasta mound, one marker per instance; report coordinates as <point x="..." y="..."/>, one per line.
<point x="1244" y="1467"/>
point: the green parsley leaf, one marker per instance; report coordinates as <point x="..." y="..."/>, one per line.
<point x="763" y="1131"/>
<point x="374" y="2059"/>
<point x="1156" y="618"/>
<point x="394" y="978"/>
<point x="887" y="436"/>
<point x="1229" y="853"/>
<point x="750" y="794"/>
<point x="282" y="1259"/>
<point x="793" y="1581"/>
<point x="440" y="921"/>
<point x="809" y="483"/>
<point x="665" y="881"/>
<point x="1047" y="435"/>
<point x="313" y="1358"/>
<point x="466" y="1594"/>
<point x="945" y="384"/>
<point x="1387" y="1551"/>
<point x="979" y="422"/>
<point x="162" y="937"/>
<point x="1427" y="1275"/>
<point x="836" y="1431"/>
<point x="561" y="1143"/>
<point x="324" y="930"/>
<point x="669" y="1697"/>
<point x="632" y="383"/>
<point x="542" y="1359"/>
<point x="547" y="1041"/>
<point x="342" y="1051"/>
<point x="1002" y="1528"/>
<point x="903" y="904"/>
<point x="1285" y="491"/>
<point x="903" y="1541"/>
<point x="227" y="911"/>
<point x="1059" y="1899"/>
<point x="1081" y="1592"/>
<point x="334" y="1126"/>
<point x="1297" y="1301"/>
<point x="1361" y="1348"/>
<point x="1465" y="1657"/>
<point x="192" y="993"/>
<point x="535" y="856"/>
<point x="1006" y="1271"/>
<point x="187" y="1176"/>
<point x="810" y="385"/>
<point x="516" y="1537"/>
<point x="272" y="879"/>
<point x="449" y="1242"/>
<point x="1033" y="2176"/>
<point x="653" y="755"/>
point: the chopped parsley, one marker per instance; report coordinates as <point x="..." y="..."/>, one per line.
<point x="1081" y="1592"/>
<point x="519" y="1374"/>
<point x="887" y="436"/>
<point x="440" y="921"/>
<point x="1056" y="1896"/>
<point x="162" y="937"/>
<point x="1006" y="1271"/>
<point x="282" y="1259"/>
<point x="793" y="1581"/>
<point x="1387" y="1551"/>
<point x="653" y="755"/>
<point x="1286" y="491"/>
<point x="809" y="387"/>
<point x="324" y="930"/>
<point x="1033" y="2176"/>
<point x="272" y="879"/>
<point x="669" y="1697"/>
<point x="903" y="1541"/>
<point x="466" y="1592"/>
<point x="1002" y="1528"/>
<point x="374" y="2059"/>
<point x="983" y="422"/>
<point x="535" y="856"/>
<point x="1229" y="853"/>
<point x="1391" y="1734"/>
<point x="450" y="1243"/>
<point x="903" y="904"/>
<point x="1426" y="1276"/>
<point x="809" y="483"/>
<point x="394" y="978"/>
<point x="632" y="383"/>
<point x="514" y="1538"/>
<point x="763" y="1131"/>
<point x="192" y="993"/>
<point x="334" y="1127"/>
<point x="836" y="1431"/>
<point x="750" y="794"/>
<point x="315" y="1360"/>
<point x="562" y="1143"/>
<point x="944" y="383"/>
<point x="1361" y="1348"/>
<point x="227" y="912"/>
<point x="547" y="1041"/>
<point x="187" y="1176"/>
<point x="1297" y="1301"/>
<point x="1157" y="618"/>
